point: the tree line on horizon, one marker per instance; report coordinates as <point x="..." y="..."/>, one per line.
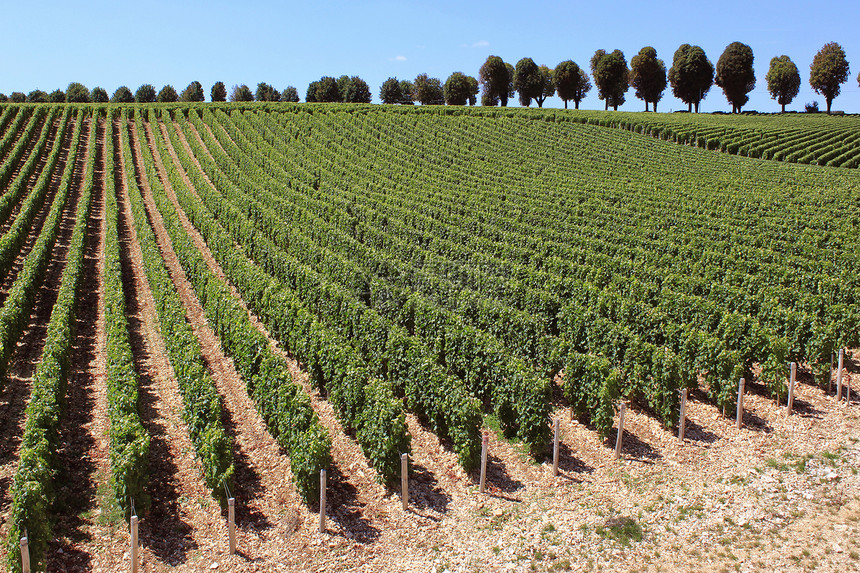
<point x="690" y="76"/>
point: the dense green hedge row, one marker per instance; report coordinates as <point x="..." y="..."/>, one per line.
<point x="282" y="403"/>
<point x="20" y="185"/>
<point x="388" y="349"/>
<point x="15" y="314"/>
<point x="518" y="396"/>
<point x="21" y="119"/>
<point x="202" y="411"/>
<point x="32" y="488"/>
<point x="369" y="408"/>
<point x="129" y="440"/>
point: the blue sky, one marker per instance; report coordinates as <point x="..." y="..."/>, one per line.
<point x="48" y="44"/>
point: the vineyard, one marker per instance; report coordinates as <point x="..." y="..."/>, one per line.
<point x="208" y="300"/>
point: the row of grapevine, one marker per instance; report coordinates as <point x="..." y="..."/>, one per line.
<point x="363" y="403"/>
<point x="518" y="396"/>
<point x="200" y="399"/>
<point x="32" y="489"/>
<point x="129" y="440"/>
<point x="15" y="314"/>
<point x="282" y="403"/>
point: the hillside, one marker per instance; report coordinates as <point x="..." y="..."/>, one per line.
<point x="271" y="290"/>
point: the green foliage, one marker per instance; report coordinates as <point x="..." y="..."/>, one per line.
<point x="265" y="92"/>
<point x="122" y="95"/>
<point x="528" y="81"/>
<point x="37" y="96"/>
<point x="496" y="80"/>
<point x="648" y="76"/>
<point x="194" y="92"/>
<point x="77" y="93"/>
<point x="99" y="95"/>
<point x="167" y="94"/>
<point x="3" y="98"/>
<point x="427" y="90"/>
<point x="323" y="90"/>
<point x="241" y="93"/>
<point x="611" y="76"/>
<point x="145" y="94"/>
<point x="32" y="489"/>
<point x="218" y="92"/>
<point x="290" y="95"/>
<point x="459" y="89"/>
<point x="828" y="71"/>
<point x="406" y="90"/>
<point x="390" y="92"/>
<point x="735" y="74"/>
<point x="56" y="96"/>
<point x="691" y="75"/>
<point x="357" y="91"/>
<point x="547" y="83"/>
<point x="18" y="97"/>
<point x="783" y="80"/>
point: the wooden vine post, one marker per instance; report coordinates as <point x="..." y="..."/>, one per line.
<point x="839" y="375"/>
<point x="25" y="553"/>
<point x="619" y="438"/>
<point x="231" y="524"/>
<point x="322" y="500"/>
<point x="485" y="443"/>
<point x="555" y="448"/>
<point x="682" y="422"/>
<point x="404" y="480"/>
<point x="791" y="380"/>
<point x="740" y="415"/>
<point x="134" y="548"/>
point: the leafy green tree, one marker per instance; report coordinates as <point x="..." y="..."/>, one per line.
<point x="406" y="89"/>
<point x="265" y="92"/>
<point x="735" y="74"/>
<point x="325" y="90"/>
<point x="458" y="89"/>
<point x="427" y="90"/>
<point x="167" y="95"/>
<point x="691" y="75"/>
<point x="241" y="93"/>
<point x="18" y="97"/>
<point x="194" y="92"/>
<point x="783" y="80"/>
<point x="4" y="98"/>
<point x="829" y="70"/>
<point x="527" y="81"/>
<point x="290" y="94"/>
<point x="496" y="81"/>
<point x="473" y="89"/>
<point x="99" y="95"/>
<point x="57" y="96"/>
<point x="311" y="94"/>
<point x="77" y="93"/>
<point x="390" y="91"/>
<point x="37" y="96"/>
<point x="567" y="78"/>
<point x="648" y="76"/>
<point x="342" y="87"/>
<point x="357" y="91"/>
<point x="145" y="94"/>
<point x="548" y="86"/>
<point x="218" y="92"/>
<point x="611" y="77"/>
<point x="122" y="95"/>
<point x="511" y="89"/>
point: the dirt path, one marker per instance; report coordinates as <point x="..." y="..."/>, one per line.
<point x="184" y="528"/>
<point x="24" y="360"/>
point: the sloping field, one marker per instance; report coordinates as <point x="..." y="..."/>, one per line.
<point x="212" y="301"/>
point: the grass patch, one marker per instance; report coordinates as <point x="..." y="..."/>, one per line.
<point x="624" y="530"/>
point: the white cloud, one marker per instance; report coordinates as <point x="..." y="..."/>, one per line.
<point x="478" y="44"/>
<point x="397" y="59"/>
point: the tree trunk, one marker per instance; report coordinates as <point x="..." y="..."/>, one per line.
<point x="565" y="104"/>
<point x="783" y="108"/>
<point x="690" y="107"/>
<point x="576" y="102"/>
<point x="646" y="105"/>
<point x="655" y="107"/>
<point x="829" y="101"/>
<point x="615" y="107"/>
<point x="606" y="105"/>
